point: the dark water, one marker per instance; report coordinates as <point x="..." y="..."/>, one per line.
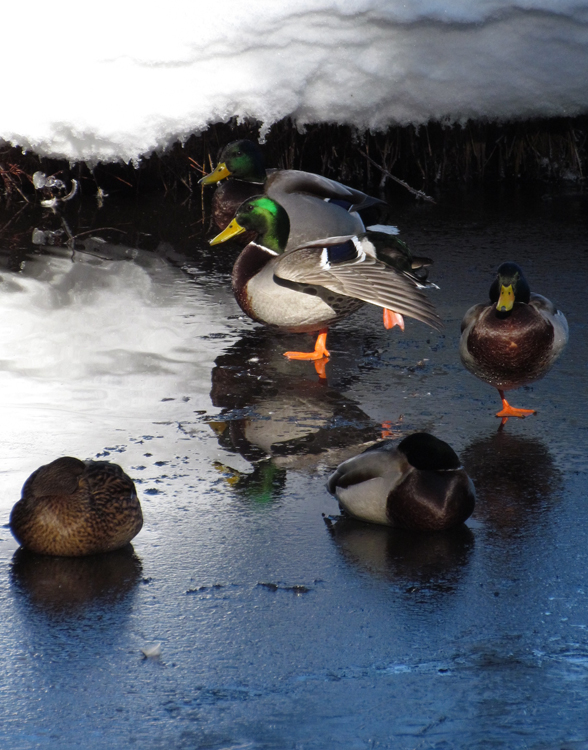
<point x="278" y="630"/>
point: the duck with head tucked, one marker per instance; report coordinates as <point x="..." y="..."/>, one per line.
<point x="316" y="206"/>
<point x="308" y="288"/>
<point x="72" y="508"/>
<point x="418" y="484"/>
<point x="513" y="339"/>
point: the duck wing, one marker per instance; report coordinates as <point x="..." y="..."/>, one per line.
<point x="393" y="251"/>
<point x="366" y="466"/>
<point x="341" y="265"/>
<point x="549" y="311"/>
<point x="289" y="181"/>
<point x="472" y="314"/>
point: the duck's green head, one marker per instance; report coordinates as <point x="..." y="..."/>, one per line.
<point x="242" y="160"/>
<point x="262" y="215"/>
<point x="509" y="286"/>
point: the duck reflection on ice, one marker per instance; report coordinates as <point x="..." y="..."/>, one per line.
<point x="413" y="560"/>
<point x="516" y="480"/>
<point x="278" y="420"/>
<point x="69" y="585"/>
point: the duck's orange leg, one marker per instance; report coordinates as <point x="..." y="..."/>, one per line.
<point x="512" y="411"/>
<point x="392" y="319"/>
<point x="320" y="349"/>
<point x="388" y="430"/>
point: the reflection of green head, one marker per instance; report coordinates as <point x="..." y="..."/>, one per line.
<point x="265" y="484"/>
<point x="262" y="486"/>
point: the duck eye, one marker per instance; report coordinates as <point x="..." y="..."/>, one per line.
<point x="250" y="207"/>
<point x="239" y="153"/>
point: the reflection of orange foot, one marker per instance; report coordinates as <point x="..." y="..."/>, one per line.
<point x="319" y="366"/>
<point x="320" y="350"/>
<point x="388" y="430"/>
<point x="392" y="319"/>
<point x="512" y="411"/>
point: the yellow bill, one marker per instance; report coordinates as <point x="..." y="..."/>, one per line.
<point x="219" y="174"/>
<point x="506" y="300"/>
<point x="228" y="233"/>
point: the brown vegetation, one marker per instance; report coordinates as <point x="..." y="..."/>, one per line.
<point x="424" y="157"/>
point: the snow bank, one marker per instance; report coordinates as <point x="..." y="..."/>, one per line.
<point x="110" y="81"/>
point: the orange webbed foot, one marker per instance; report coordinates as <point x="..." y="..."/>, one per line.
<point x="320" y="350"/>
<point x="392" y="319"/>
<point x="309" y="356"/>
<point x="512" y="411"/>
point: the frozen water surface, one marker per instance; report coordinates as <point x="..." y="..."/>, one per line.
<point x="276" y="630"/>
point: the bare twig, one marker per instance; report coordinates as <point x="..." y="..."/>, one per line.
<point x="416" y="193"/>
<point x="10" y="177"/>
<point x="196" y="166"/>
<point x="9" y="222"/>
<point x="100" y="229"/>
<point x="120" y="179"/>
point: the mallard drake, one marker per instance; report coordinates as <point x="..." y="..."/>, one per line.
<point x="317" y="206"/>
<point x="418" y="484"/>
<point x="514" y="339"/>
<point x="312" y="286"/>
<point x="71" y="508"/>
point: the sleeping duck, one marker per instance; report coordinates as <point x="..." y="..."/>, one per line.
<point x="514" y="339"/>
<point x="317" y="206"/>
<point x="418" y="484"/>
<point x="312" y="286"/>
<point x="72" y="508"/>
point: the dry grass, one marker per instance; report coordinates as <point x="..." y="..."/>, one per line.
<point x="424" y="157"/>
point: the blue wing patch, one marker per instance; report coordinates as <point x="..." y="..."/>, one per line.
<point x="346" y="205"/>
<point x="344" y="252"/>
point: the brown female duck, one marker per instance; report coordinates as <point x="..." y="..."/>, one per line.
<point x="71" y="508"/>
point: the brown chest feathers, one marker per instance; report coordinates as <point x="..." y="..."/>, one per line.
<point x="513" y="349"/>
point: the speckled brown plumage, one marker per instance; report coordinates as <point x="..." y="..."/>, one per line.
<point x="71" y="507"/>
<point x="511" y="351"/>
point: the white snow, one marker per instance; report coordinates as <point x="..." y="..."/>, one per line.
<point x="113" y="80"/>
